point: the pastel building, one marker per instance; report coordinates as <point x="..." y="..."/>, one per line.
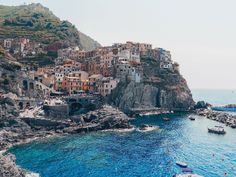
<point x="75" y="82"/>
<point x="106" y="85"/>
<point x="93" y="81"/>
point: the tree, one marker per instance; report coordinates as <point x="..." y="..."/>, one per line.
<point x="6" y="82"/>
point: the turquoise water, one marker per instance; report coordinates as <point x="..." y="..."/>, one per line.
<point x="215" y="97"/>
<point x="135" y="153"/>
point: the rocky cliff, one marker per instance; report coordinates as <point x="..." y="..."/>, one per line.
<point x="8" y="167"/>
<point x="164" y="88"/>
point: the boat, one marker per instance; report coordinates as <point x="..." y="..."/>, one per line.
<point x="187" y="170"/>
<point x="217" y="130"/>
<point x="191" y="118"/>
<point x="181" y="164"/>
<point x="166" y="119"/>
<point x="146" y="128"/>
<point x="187" y="175"/>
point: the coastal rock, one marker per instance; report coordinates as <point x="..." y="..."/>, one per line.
<point x="147" y="95"/>
<point x="134" y="95"/>
<point x="8" y="167"/>
<point x="202" y="105"/>
<point x="8" y="110"/>
<point x="157" y="88"/>
<point x="223" y="117"/>
<point x="107" y="117"/>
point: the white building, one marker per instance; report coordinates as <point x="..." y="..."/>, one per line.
<point x="130" y="55"/>
<point x="7" y="43"/>
<point x="165" y="59"/>
<point x="166" y="65"/>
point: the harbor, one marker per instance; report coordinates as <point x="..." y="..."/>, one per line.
<point x="114" y="153"/>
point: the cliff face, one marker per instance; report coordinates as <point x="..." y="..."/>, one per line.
<point x="164" y="88"/>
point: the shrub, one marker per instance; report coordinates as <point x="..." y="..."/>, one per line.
<point x="6" y="82"/>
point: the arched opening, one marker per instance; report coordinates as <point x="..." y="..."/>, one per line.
<point x="21" y="105"/>
<point x="25" y="84"/>
<point x="72" y="100"/>
<point x="75" y="108"/>
<point x="27" y="105"/>
<point x="31" y="85"/>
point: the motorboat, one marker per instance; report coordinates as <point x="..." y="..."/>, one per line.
<point x="187" y="170"/>
<point x="146" y="128"/>
<point x="187" y="175"/>
<point x="181" y="164"/>
<point x="166" y="119"/>
<point x="191" y="118"/>
<point x="217" y="130"/>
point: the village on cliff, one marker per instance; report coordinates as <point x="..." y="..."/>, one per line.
<point x="82" y="76"/>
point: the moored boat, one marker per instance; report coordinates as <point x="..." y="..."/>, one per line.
<point x="187" y="170"/>
<point x="191" y="118"/>
<point x="166" y="119"/>
<point x="187" y="175"/>
<point x="217" y="130"/>
<point x="181" y="164"/>
<point x="147" y="128"/>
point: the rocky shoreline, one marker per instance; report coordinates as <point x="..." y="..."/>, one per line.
<point x="222" y="117"/>
<point x="25" y="130"/>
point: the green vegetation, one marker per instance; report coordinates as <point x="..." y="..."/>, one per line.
<point x="39" y="24"/>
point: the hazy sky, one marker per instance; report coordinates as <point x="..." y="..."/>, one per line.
<point x="201" y="34"/>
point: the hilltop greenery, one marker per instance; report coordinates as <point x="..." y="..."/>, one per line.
<point x="39" y="24"/>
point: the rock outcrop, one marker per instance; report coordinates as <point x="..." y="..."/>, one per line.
<point x="8" y="167"/>
<point x="105" y="118"/>
<point x="166" y="89"/>
<point x="202" y="105"/>
<point x="223" y="117"/>
<point x="15" y="131"/>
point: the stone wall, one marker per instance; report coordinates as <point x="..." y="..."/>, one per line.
<point x="57" y="112"/>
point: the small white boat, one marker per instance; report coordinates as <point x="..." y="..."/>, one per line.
<point x="147" y="128"/>
<point x="181" y="164"/>
<point x="166" y="119"/>
<point x="217" y="130"/>
<point x="187" y="175"/>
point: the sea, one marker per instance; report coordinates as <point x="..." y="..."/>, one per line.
<point x="139" y="154"/>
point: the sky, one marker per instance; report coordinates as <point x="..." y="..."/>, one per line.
<point x="201" y="34"/>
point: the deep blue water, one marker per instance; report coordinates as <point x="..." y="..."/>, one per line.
<point x="135" y="153"/>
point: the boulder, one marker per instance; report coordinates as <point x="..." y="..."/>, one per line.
<point x="8" y="167"/>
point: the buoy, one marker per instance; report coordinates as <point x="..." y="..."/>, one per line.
<point x="225" y="173"/>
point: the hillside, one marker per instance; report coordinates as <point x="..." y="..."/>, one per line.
<point x="39" y="24"/>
